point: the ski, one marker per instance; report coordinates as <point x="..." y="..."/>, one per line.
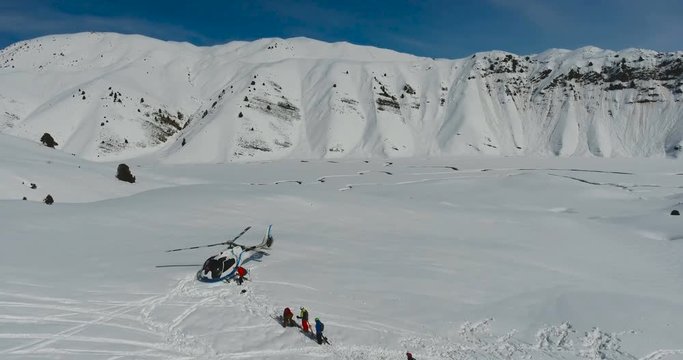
<point x="229" y="242"/>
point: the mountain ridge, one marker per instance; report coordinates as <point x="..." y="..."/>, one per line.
<point x="107" y="96"/>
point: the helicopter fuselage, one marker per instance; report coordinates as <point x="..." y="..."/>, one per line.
<point x="221" y="267"/>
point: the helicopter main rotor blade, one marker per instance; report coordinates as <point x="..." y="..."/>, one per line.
<point x="229" y="242"/>
<point x="177" y="265"/>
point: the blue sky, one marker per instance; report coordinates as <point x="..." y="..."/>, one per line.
<point x="435" y="28"/>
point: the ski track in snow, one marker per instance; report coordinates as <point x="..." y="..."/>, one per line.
<point x="287" y="284"/>
<point x="661" y="354"/>
<point x="623" y="187"/>
<point x="629" y="187"/>
<point x="475" y="340"/>
<point x="101" y="316"/>
<point x="377" y="171"/>
<point x="581" y="170"/>
<point x="462" y="175"/>
<point x="446" y="176"/>
<point x="287" y="181"/>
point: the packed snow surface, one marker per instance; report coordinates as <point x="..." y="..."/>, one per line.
<point x="449" y="258"/>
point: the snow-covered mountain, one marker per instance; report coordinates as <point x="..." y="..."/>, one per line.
<point x="106" y="96"/>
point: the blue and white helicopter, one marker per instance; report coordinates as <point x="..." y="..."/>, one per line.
<point x="223" y="266"/>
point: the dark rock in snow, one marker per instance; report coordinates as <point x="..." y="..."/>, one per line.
<point x="48" y="140"/>
<point x="123" y="173"/>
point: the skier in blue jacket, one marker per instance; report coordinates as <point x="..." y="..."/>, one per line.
<point x="319" y="327"/>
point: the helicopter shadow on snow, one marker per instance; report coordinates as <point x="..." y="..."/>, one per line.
<point x="308" y="334"/>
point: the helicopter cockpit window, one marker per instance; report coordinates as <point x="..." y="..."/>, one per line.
<point x="228" y="264"/>
<point x="214" y="267"/>
<point x="205" y="267"/>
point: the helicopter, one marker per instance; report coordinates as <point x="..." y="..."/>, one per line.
<point x="223" y="266"/>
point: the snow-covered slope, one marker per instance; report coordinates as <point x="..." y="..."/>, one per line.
<point x="107" y="96"/>
<point x="501" y="259"/>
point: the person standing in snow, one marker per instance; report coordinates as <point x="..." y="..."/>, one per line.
<point x="303" y="315"/>
<point x="410" y="356"/>
<point x="319" y="327"/>
<point x="287" y="317"/>
<point x="241" y="272"/>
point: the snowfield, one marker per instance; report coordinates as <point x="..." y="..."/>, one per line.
<point x="449" y="258"/>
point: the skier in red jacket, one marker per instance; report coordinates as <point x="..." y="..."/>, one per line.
<point x="241" y="272"/>
<point x="303" y="315"/>
<point x="287" y="316"/>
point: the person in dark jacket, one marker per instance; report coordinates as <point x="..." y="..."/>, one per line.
<point x="287" y="318"/>
<point x="303" y="315"/>
<point x="319" y="327"/>
<point x="410" y="356"/>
